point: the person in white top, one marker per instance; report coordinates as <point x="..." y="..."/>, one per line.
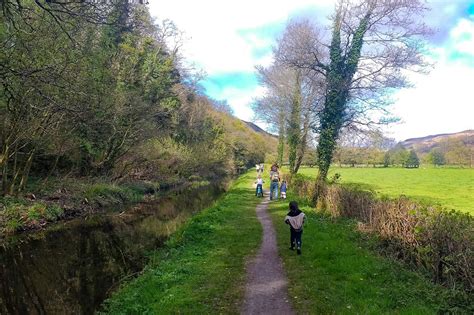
<point x="259" y="188"/>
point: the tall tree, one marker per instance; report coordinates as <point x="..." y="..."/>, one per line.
<point x="371" y="42"/>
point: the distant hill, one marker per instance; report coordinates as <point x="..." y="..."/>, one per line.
<point x="425" y="144"/>
<point x="256" y="128"/>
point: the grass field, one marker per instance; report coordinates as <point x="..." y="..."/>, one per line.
<point x="338" y="274"/>
<point x="451" y="188"/>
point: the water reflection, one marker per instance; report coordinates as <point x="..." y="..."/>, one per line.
<point x="71" y="268"/>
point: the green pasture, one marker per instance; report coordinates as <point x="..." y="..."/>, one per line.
<point x="337" y="272"/>
<point x="451" y="188"/>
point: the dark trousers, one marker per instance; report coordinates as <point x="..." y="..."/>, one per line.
<point x="259" y="190"/>
<point x="295" y="238"/>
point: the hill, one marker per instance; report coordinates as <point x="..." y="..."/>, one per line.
<point x="257" y="129"/>
<point x="426" y="144"/>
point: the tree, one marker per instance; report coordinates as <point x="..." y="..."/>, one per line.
<point x="436" y="157"/>
<point x="387" y="161"/>
<point x="412" y="160"/>
<point x="398" y="155"/>
<point x="371" y="42"/>
<point x="456" y="152"/>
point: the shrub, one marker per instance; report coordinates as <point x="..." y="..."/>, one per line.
<point x="108" y="194"/>
<point x="53" y="212"/>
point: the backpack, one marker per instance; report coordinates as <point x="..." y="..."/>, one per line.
<point x="275" y="177"/>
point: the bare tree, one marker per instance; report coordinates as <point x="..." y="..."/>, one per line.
<point x="373" y="44"/>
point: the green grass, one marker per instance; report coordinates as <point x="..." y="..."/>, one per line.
<point x="451" y="188"/>
<point x="337" y="274"/>
<point x="201" y="269"/>
<point x="108" y="194"/>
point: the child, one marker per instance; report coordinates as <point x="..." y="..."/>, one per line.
<point x="283" y="188"/>
<point x="259" y="189"/>
<point x="295" y="218"/>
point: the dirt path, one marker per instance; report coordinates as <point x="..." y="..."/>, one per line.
<point x="266" y="289"/>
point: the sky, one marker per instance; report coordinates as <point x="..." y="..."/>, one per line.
<point x="227" y="39"/>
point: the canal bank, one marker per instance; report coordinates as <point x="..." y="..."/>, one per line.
<point x="201" y="268"/>
<point x="72" y="266"/>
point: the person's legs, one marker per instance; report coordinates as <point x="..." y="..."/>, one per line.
<point x="292" y="239"/>
<point x="273" y="190"/>
<point x="298" y="241"/>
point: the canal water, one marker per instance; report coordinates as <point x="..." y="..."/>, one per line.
<point x="72" y="267"/>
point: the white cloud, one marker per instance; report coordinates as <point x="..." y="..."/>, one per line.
<point x="240" y="100"/>
<point x="213" y="27"/>
<point x="442" y="101"/>
<point x="462" y="36"/>
<point x="219" y="42"/>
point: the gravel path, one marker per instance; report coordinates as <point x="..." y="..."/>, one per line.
<point x="266" y="290"/>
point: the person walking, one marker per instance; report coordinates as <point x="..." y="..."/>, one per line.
<point x="295" y="219"/>
<point x="259" y="188"/>
<point x="274" y="181"/>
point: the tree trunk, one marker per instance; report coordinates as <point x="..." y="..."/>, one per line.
<point x="294" y="128"/>
<point x="6" y="153"/>
<point x="26" y="171"/>
<point x="303" y="142"/>
<point x="281" y="139"/>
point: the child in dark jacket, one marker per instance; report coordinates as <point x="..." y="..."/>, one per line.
<point x="295" y="219"/>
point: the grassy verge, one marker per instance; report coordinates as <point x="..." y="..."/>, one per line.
<point x="338" y="274"/>
<point x="201" y="269"/>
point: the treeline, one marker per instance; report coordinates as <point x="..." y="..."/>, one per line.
<point x="101" y="90"/>
<point x="451" y="155"/>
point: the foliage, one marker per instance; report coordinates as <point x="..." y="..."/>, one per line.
<point x="17" y="214"/>
<point x="106" y="97"/>
<point x="412" y="160"/>
<point x="108" y="194"/>
<point x="359" y="64"/>
<point x="436" y="157"/>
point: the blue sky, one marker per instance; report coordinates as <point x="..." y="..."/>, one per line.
<point x="227" y="39"/>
